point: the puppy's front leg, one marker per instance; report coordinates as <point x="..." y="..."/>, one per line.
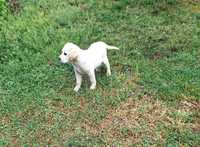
<point x="78" y="81"/>
<point x="92" y="79"/>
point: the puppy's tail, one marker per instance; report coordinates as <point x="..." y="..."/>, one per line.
<point x="109" y="47"/>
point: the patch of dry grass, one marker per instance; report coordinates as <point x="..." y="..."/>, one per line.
<point x="134" y="121"/>
<point x="131" y="122"/>
<point x="193" y="5"/>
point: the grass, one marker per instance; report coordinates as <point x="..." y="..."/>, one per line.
<point x="151" y="99"/>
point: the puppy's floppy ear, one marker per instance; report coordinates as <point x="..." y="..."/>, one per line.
<point x="73" y="55"/>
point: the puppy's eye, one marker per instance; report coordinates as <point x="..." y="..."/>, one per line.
<point x="65" y="54"/>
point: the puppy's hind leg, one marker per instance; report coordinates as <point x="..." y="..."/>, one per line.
<point x="107" y="64"/>
<point x="92" y="79"/>
<point x="78" y="81"/>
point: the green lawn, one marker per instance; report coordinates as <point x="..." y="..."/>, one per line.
<point x="151" y="99"/>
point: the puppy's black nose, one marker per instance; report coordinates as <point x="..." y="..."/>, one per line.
<point x="59" y="58"/>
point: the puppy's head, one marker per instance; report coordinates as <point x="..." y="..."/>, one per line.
<point x="69" y="53"/>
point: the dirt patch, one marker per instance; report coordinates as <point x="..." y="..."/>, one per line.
<point x="131" y="122"/>
<point x="192" y="107"/>
<point x="14" y="5"/>
<point x="193" y="5"/>
<point x="189" y="105"/>
<point x="136" y="120"/>
<point x="58" y="106"/>
<point x="5" y="120"/>
<point x="112" y="92"/>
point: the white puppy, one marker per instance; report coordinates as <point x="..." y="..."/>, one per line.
<point x="86" y="61"/>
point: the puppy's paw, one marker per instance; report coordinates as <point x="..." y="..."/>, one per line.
<point x="76" y="88"/>
<point x="108" y="73"/>
<point x="92" y="87"/>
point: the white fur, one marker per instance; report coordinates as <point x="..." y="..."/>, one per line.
<point x="86" y="61"/>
